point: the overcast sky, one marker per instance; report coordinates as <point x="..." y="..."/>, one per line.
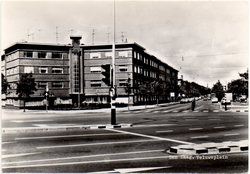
<point x="212" y="37"/>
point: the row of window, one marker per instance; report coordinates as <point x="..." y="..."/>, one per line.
<point x="30" y="69"/>
<point x="109" y="54"/>
<point x="98" y="69"/>
<point x="98" y="83"/>
<point x="43" y="85"/>
<point x="145" y="72"/>
<point x="36" y="54"/>
<point x="145" y="60"/>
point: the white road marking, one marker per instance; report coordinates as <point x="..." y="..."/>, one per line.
<point x="164" y="131"/>
<point x="219" y="127"/>
<point x="94" y="144"/>
<point x="29" y="121"/>
<point x="53" y="125"/>
<point x="20" y="154"/>
<point x="140" y="169"/>
<point x="235" y="134"/>
<point x="9" y="142"/>
<point x="198" y="128"/>
<point x="86" y="162"/>
<point x="195" y="111"/>
<point x="175" y="111"/>
<point x="240" y="125"/>
<point x="205" y="111"/>
<point x="152" y="137"/>
<point x="213" y="119"/>
<point x="186" y="111"/>
<point x="216" y="111"/>
<point x="166" y="111"/>
<point x="81" y="157"/>
<point x="153" y="125"/>
<point x="199" y="137"/>
<point x="65" y="136"/>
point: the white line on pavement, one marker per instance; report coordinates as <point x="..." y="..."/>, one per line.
<point x="9" y="142"/>
<point x="231" y="134"/>
<point x="66" y="136"/>
<point x="20" y="154"/>
<point x="28" y="121"/>
<point x="153" y="125"/>
<point x="164" y="131"/>
<point x="216" y="111"/>
<point x="87" y="156"/>
<point x="198" y="128"/>
<point x="94" y="144"/>
<point x="214" y="119"/>
<point x="219" y="127"/>
<point x="205" y="111"/>
<point x="150" y="136"/>
<point x="240" y="125"/>
<point x="200" y="137"/>
<point x="86" y="162"/>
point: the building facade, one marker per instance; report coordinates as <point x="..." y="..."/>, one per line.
<point x="73" y="73"/>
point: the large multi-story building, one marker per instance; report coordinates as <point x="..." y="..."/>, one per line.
<point x="73" y="73"/>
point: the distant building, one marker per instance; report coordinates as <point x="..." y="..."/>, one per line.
<point x="73" y="72"/>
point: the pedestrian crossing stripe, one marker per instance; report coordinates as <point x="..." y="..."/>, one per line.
<point x="186" y="111"/>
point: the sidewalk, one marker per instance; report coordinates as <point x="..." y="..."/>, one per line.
<point x="15" y="112"/>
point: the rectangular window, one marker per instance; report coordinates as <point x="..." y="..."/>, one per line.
<point x="123" y="53"/>
<point x="56" y="55"/>
<point x="42" y="85"/>
<point x="28" y="54"/>
<point x="123" y="82"/>
<point x="28" y="69"/>
<point x="57" y="84"/>
<point x="65" y="55"/>
<point x="95" y="83"/>
<point x="95" y="55"/>
<point x="108" y="54"/>
<point x="43" y="70"/>
<point x="95" y="69"/>
<point x="123" y="68"/>
<point x="41" y="55"/>
<point x="57" y="70"/>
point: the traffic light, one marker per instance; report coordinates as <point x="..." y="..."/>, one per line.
<point x="106" y="74"/>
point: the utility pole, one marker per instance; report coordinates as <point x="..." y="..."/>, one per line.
<point x="57" y="34"/>
<point x="28" y="35"/>
<point x="108" y="36"/>
<point x="122" y="36"/>
<point x="93" y="36"/>
<point x="113" y="84"/>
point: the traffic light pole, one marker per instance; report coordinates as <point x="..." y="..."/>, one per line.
<point x="113" y="83"/>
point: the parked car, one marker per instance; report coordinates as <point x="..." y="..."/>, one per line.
<point x="214" y="100"/>
<point x="224" y="101"/>
<point x="184" y="100"/>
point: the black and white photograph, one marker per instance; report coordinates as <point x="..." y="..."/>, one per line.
<point x="124" y="86"/>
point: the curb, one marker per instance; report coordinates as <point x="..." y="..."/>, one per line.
<point x="209" y="148"/>
<point x="62" y="128"/>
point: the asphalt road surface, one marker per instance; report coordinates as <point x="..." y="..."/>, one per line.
<point x="141" y="148"/>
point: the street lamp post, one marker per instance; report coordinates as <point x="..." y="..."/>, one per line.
<point x="113" y="84"/>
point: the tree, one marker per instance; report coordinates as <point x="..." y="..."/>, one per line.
<point x="25" y="87"/>
<point x="145" y="90"/>
<point x="238" y="87"/>
<point x="218" y="90"/>
<point x="157" y="88"/>
<point x="5" y="85"/>
<point x="244" y="75"/>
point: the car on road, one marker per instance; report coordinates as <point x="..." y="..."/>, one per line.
<point x="224" y="101"/>
<point x="214" y="100"/>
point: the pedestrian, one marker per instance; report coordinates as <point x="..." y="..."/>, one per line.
<point x="193" y="104"/>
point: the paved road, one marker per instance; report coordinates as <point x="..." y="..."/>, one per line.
<point x="141" y="148"/>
